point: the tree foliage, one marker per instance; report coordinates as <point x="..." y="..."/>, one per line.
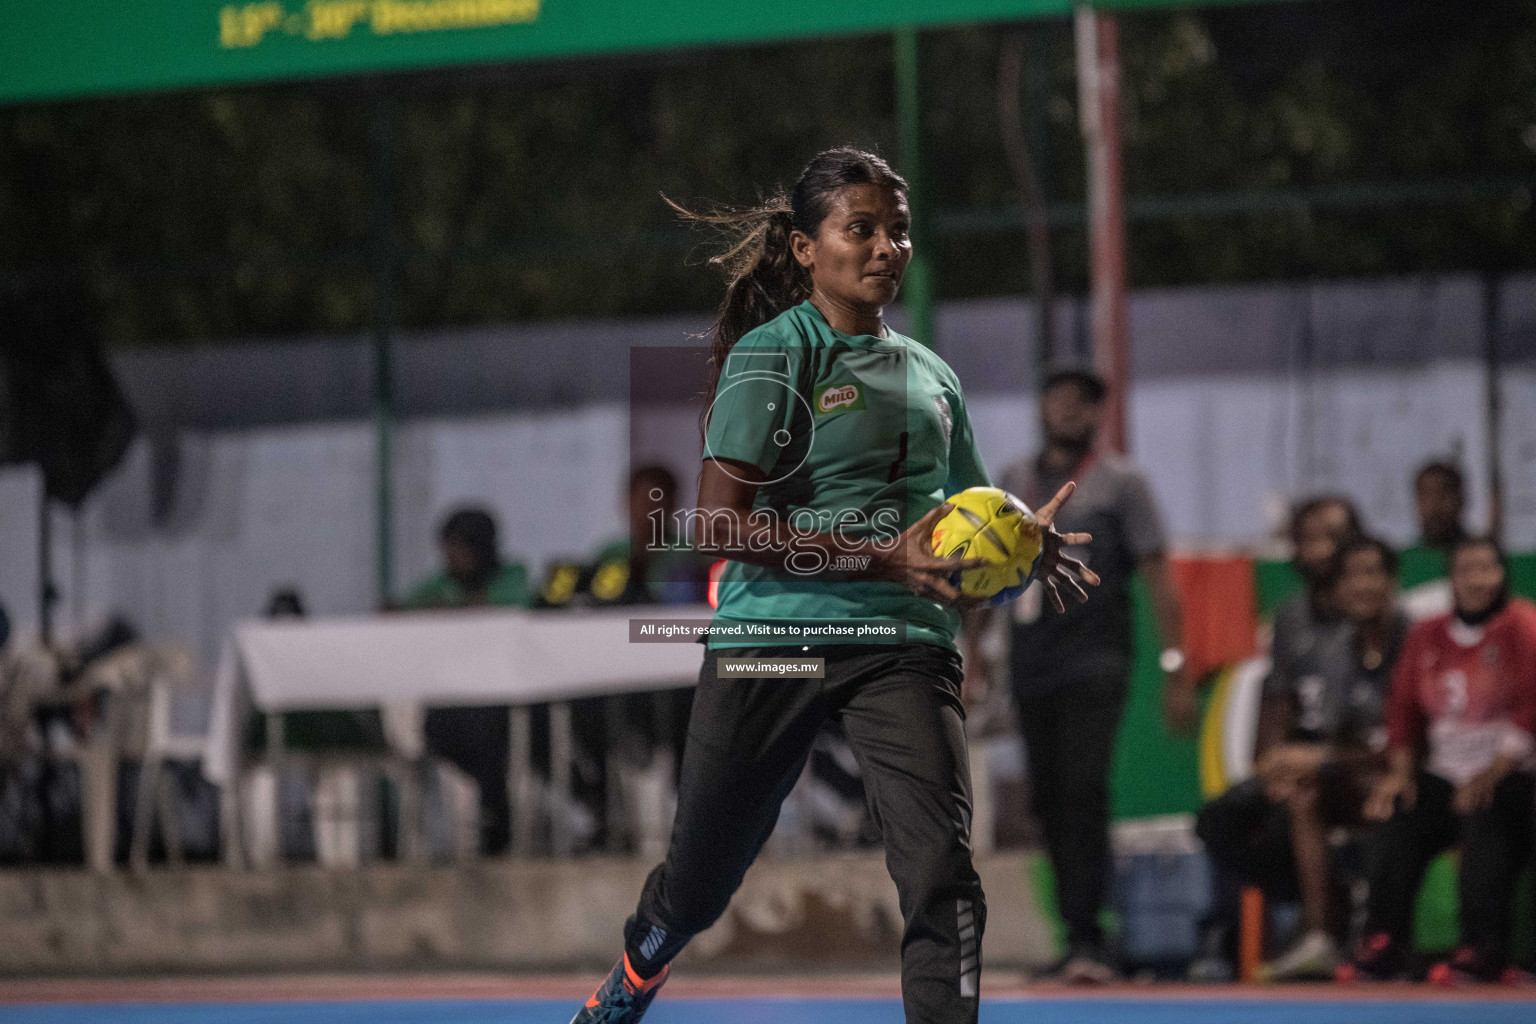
<point x="533" y="193"/>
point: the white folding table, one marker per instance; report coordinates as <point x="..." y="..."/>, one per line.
<point x="402" y="663"/>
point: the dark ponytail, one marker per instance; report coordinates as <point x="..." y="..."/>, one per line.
<point x="764" y="277"/>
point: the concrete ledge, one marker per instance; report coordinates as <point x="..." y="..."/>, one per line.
<point x="834" y="913"/>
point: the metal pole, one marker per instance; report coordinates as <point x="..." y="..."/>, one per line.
<point x="613" y="763"/>
<point x="561" y="841"/>
<point x="520" y="780"/>
<point x="45" y="590"/>
<point x="382" y="263"/>
<point x="1098" y="84"/>
<point x="77" y="570"/>
<point x="1494" y="397"/>
<point x="909" y="132"/>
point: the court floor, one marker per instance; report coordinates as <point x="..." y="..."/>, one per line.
<point x="761" y="1000"/>
<point x="786" y="1011"/>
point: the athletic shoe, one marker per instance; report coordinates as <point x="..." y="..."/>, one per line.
<point x="1377" y="959"/>
<point x="1213" y="965"/>
<point x="622" y="998"/>
<point x="1469" y="966"/>
<point x="1084" y="965"/>
<point x="1211" y="970"/>
<point x="1314" y="957"/>
<point x="1088" y="970"/>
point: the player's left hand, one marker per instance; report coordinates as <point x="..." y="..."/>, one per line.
<point x="1057" y="572"/>
<point x="1476" y="793"/>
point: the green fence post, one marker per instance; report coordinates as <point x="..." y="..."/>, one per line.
<point x="918" y="289"/>
<point x="382" y="259"/>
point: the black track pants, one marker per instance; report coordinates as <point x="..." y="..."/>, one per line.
<point x="1495" y="844"/>
<point x="1069" y="737"/>
<point x="747" y="742"/>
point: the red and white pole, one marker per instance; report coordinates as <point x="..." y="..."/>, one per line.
<point x="1098" y="91"/>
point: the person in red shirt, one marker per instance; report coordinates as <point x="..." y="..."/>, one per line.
<point x="1460" y="721"/>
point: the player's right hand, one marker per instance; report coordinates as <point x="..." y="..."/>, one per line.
<point x="911" y="561"/>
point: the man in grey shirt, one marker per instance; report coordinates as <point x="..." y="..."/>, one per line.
<point x="1071" y="669"/>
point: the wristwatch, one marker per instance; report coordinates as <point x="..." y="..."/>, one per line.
<point x="1171" y="660"/>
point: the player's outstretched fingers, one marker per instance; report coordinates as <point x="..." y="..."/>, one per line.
<point x="1056" y="601"/>
<point x="1076" y="565"/>
<point x="1063" y="578"/>
<point x="1047" y="513"/>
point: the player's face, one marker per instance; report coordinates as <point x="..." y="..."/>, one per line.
<point x="459" y="561"/>
<point x="1365" y="587"/>
<point x="861" y="251"/>
<point x="1439" y="503"/>
<point x="1477" y="579"/>
<point x="1068" y="418"/>
<point x="1317" y="538"/>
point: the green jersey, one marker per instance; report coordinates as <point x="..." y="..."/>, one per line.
<point x="509" y="587"/>
<point x="858" y="436"/>
<point x="675" y="575"/>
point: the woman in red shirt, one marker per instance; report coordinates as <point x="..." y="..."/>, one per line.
<point x="1460" y="721"/>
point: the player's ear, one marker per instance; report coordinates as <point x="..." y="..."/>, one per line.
<point x="803" y="246"/>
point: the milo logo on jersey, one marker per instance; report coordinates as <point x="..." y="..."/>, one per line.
<point x="837" y="397"/>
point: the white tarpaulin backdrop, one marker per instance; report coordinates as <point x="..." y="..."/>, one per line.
<point x="295" y="506"/>
<point x="1235" y="411"/>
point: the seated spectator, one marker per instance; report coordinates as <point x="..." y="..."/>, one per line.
<point x="1324" y="771"/>
<point x="475" y="739"/>
<point x="1460" y="721"/>
<point x="651" y="564"/>
<point x="473" y="570"/>
<point x="1320" y="723"/>
<point x="1439" y="498"/>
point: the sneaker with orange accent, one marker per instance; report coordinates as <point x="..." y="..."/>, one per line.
<point x="622" y="998"/>
<point x="1468" y="966"/>
<point x="1377" y="959"/>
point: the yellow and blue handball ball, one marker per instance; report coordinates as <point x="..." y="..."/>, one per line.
<point x="989" y="523"/>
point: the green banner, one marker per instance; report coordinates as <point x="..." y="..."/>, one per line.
<point x="93" y="47"/>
